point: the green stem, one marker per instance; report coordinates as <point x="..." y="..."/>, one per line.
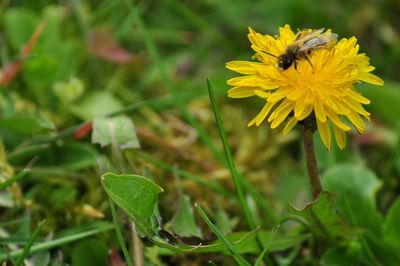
<point x="311" y="161"/>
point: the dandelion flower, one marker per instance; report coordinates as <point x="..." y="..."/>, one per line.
<point x="321" y="89"/>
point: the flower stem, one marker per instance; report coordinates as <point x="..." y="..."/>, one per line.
<point x="311" y="161"/>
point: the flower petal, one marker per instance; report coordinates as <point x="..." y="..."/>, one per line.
<point x="284" y="108"/>
<point x="261" y="115"/>
<point x="358" y="97"/>
<point x="306" y="112"/>
<point x="370" y="78"/>
<point x="251" y="81"/>
<point x="319" y="111"/>
<point x="356" y="120"/>
<point x="326" y="87"/>
<point x="337" y="121"/>
<point x="241" y="92"/>
<point x="325" y="133"/>
<point x="340" y="137"/>
<point x="290" y="125"/>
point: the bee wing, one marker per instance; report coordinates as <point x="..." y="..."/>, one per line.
<point x="303" y="36"/>
<point x="318" y="42"/>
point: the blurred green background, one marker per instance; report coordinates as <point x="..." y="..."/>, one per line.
<point x="93" y="58"/>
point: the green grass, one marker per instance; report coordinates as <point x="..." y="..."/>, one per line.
<point x="173" y="89"/>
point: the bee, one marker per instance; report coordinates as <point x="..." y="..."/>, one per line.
<point x="305" y="42"/>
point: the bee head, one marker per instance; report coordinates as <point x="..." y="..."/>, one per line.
<point x="285" y="61"/>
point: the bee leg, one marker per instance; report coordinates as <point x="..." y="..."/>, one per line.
<point x="308" y="60"/>
<point x="295" y="66"/>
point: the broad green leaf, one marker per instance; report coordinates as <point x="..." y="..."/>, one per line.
<point x="117" y="131"/>
<point x="27" y="125"/>
<point x="391" y="227"/>
<point x="323" y="218"/>
<point x="96" y="104"/>
<point x="354" y="187"/>
<point x="183" y="223"/>
<point x="137" y="196"/>
<point x="89" y="252"/>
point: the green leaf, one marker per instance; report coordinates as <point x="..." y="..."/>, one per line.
<point x="27" y="125"/>
<point x="391" y="227"/>
<point x="96" y="104"/>
<point x="137" y="196"/>
<point x="355" y="188"/>
<point x="244" y="242"/>
<point x="117" y="131"/>
<point x="323" y="219"/>
<point x="183" y="223"/>
<point x="89" y="252"/>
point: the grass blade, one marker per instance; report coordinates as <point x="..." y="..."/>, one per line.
<point x="28" y="246"/>
<point x="239" y="259"/>
<point x="231" y="165"/>
<point x="55" y="242"/>
<point x="119" y="234"/>
<point x="13" y="179"/>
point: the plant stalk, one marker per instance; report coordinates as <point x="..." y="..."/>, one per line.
<point x="311" y="161"/>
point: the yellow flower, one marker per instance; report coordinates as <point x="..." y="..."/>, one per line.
<point x="323" y="89"/>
